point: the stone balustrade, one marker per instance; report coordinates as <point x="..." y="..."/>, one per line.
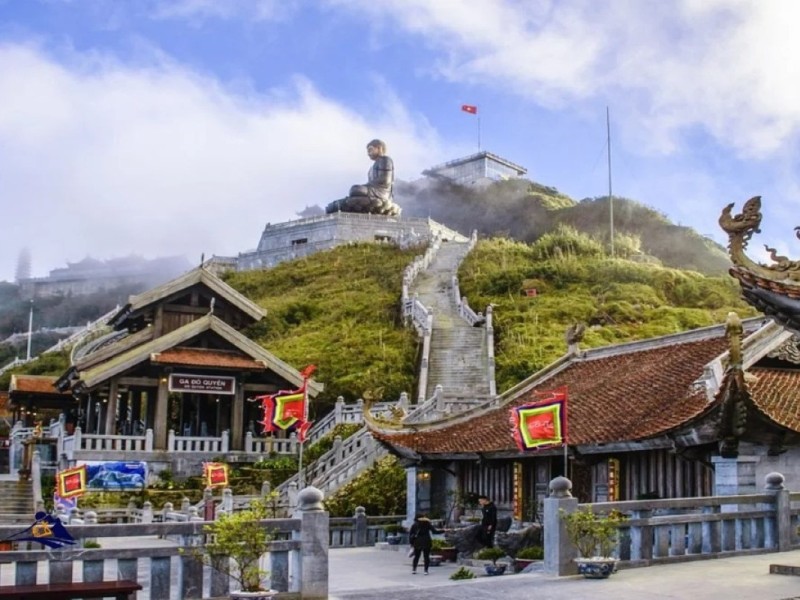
<point x="680" y="529"/>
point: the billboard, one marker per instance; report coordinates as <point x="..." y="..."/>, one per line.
<point x="115" y="475"/>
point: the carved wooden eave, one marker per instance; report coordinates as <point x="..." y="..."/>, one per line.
<point x="774" y="288"/>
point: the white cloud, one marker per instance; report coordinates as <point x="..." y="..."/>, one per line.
<point x="105" y="159"/>
<point x="725" y="66"/>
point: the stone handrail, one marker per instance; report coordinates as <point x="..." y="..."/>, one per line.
<point x="337" y="466"/>
<point x="438" y="405"/>
<point x="425" y="359"/>
<point x="490" y="364"/>
<point x="270" y="445"/>
<point x="177" y="443"/>
<point x="89" y="442"/>
<point x="680" y="529"/>
<point x="301" y="544"/>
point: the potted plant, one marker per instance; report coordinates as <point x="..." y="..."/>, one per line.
<point x="237" y="543"/>
<point x="526" y="556"/>
<point x="595" y="536"/>
<point x="441" y="548"/>
<point x="492" y="554"/>
<point x="394" y="533"/>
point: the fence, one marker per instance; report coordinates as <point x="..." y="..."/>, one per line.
<point x="298" y="558"/>
<point x="664" y="531"/>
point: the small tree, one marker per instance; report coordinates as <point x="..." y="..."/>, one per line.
<point x="238" y="543"/>
<point x="593" y="533"/>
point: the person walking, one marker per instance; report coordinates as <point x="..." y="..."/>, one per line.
<point x="420" y="537"/>
<point x="488" y="521"/>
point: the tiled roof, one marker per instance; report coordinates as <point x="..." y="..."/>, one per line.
<point x="203" y="357"/>
<point x="777" y="394"/>
<point x="612" y="398"/>
<point x="33" y="384"/>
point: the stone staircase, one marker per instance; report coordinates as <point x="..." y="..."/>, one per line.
<point x="458" y="358"/>
<point x="17" y="501"/>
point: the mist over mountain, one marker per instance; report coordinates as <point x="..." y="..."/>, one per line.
<point x="524" y="211"/>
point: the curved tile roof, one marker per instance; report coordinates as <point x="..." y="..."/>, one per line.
<point x="620" y="397"/>
<point x="776" y="393"/>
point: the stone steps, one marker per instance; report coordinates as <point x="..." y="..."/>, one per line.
<point x="17" y="499"/>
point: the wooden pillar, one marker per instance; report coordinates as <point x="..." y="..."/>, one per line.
<point x="237" y="418"/>
<point x="111" y="412"/>
<point x="160" y="424"/>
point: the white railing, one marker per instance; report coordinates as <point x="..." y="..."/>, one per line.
<point x="95" y="442"/>
<point x="438" y="405"/>
<point x="219" y="445"/>
<point x="270" y="445"/>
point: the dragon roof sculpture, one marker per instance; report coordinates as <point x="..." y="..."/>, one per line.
<point x="774" y="289"/>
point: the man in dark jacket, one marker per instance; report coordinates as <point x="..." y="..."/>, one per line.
<point x="488" y="521"/>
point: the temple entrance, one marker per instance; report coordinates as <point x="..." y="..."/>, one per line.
<point x="203" y="415"/>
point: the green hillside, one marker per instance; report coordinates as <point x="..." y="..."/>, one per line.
<point x="524" y="210"/>
<point x="576" y="282"/>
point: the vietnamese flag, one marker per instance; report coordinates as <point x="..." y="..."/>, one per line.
<point x="473" y="110"/>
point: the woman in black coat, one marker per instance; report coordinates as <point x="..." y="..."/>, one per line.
<point x="420" y="537"/>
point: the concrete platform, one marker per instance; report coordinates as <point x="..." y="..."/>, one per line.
<point x="364" y="573"/>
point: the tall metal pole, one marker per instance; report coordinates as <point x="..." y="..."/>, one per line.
<point x="30" y="330"/>
<point x="610" y="197"/>
<point x="479" y="133"/>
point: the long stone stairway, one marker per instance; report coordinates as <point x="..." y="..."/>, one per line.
<point x="458" y="354"/>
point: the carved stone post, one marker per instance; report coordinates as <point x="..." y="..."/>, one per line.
<point x="313" y="536"/>
<point x="559" y="552"/>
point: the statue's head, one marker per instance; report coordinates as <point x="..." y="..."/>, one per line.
<point x="376" y="148"/>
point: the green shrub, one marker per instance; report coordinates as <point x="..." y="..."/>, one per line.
<point x="462" y="573"/>
<point x="437" y="545"/>
<point x="491" y="554"/>
<point x="531" y="553"/>
<point x="393" y="529"/>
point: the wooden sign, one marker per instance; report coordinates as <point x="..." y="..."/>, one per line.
<point x="202" y="384"/>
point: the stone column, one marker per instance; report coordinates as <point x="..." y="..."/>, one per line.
<point x="111" y="412"/>
<point x="559" y="552"/>
<point x="160" y="421"/>
<point x="779" y="535"/>
<point x="411" y="496"/>
<point x="313" y="536"/>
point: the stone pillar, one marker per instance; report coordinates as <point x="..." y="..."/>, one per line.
<point x="781" y="527"/>
<point x="559" y="552"/>
<point x="411" y="496"/>
<point x="160" y="421"/>
<point x="313" y="536"/>
<point x="111" y="412"/>
<point x="360" y="527"/>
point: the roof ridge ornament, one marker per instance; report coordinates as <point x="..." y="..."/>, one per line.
<point x="774" y="289"/>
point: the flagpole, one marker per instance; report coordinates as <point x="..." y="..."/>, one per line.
<point x="479" y="133"/>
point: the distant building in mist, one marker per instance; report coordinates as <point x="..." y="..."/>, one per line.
<point x="91" y="275"/>
<point x="476" y="169"/>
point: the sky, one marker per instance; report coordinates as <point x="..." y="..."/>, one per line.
<point x="182" y="127"/>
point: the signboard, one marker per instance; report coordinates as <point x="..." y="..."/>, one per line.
<point x="116" y="475"/>
<point x="613" y="479"/>
<point x="202" y="384"/>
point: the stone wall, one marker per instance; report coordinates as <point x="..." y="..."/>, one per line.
<point x="294" y="239"/>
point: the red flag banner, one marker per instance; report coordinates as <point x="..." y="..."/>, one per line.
<point x="471" y="109"/>
<point x="216" y="474"/>
<point x="542" y="423"/>
<point x="71" y="482"/>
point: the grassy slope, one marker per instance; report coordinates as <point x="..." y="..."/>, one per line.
<point x="619" y="299"/>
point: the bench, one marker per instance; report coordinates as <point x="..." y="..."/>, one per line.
<point x="120" y="590"/>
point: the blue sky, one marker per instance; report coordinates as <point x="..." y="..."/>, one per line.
<point x="163" y="127"/>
